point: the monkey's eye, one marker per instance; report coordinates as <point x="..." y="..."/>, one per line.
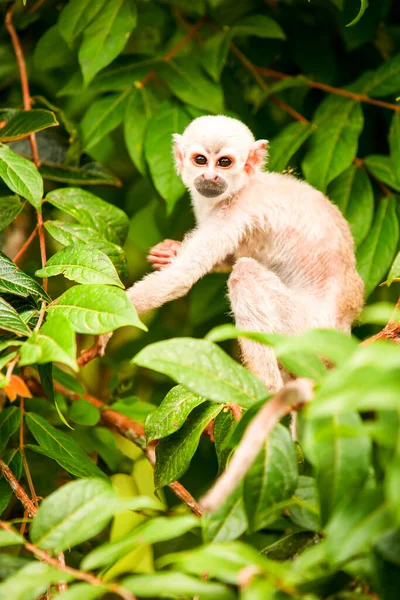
<point x="224" y="161"/>
<point x="200" y="160"/>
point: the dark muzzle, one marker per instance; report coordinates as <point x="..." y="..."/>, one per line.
<point x="210" y="189"/>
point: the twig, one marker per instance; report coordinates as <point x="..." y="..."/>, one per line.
<point x="26" y="245"/>
<point x="23" y="76"/>
<point x="291" y="397"/>
<point x="36" y="6"/>
<point x="17" y="488"/>
<point x="75" y="573"/>
<point x="170" y="55"/>
<point x="182" y="43"/>
<point x="287" y="108"/>
<point x="390" y="332"/>
<point x="178" y="489"/>
<point x="256" y="74"/>
<point x="236" y="410"/>
<point x="329" y="88"/>
<point x="22" y="450"/>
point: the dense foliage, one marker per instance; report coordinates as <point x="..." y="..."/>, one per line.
<point x="87" y="180"/>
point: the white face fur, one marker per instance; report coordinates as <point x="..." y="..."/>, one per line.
<point x="216" y="155"/>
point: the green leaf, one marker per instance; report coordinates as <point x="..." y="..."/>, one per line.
<point x="386" y="79"/>
<point x="61" y="447"/>
<point x="10" y="319"/>
<point x="89" y="210"/>
<point x="179" y="585"/>
<point x="334" y="144"/>
<point x="103" y="116"/>
<point x="82" y="264"/>
<point x="175" y="452"/>
<point x="228" y="522"/>
<point x="10" y="207"/>
<point x="394" y="273"/>
<point x="352" y="193"/>
<point x="375" y="255"/>
<point x="168" y="119"/>
<point x="14" y="281"/>
<point x="10" y="538"/>
<point x="76" y="16"/>
<point x="258" y="25"/>
<point x="172" y="413"/>
<point x="160" y="529"/>
<point x="21" y="123"/>
<point x="51" y="51"/>
<point x="96" y="309"/>
<point x="336" y="346"/>
<point x="81" y="590"/>
<point x="271" y="479"/>
<point x="74" y="513"/>
<point x="224" y="425"/>
<point x="203" y="368"/>
<point x="106" y="37"/>
<point x="340" y="453"/>
<point x="215" y="53"/>
<point x="55" y="342"/>
<point x="222" y="560"/>
<point x="394" y="143"/>
<point x="84" y="413"/>
<point x="356" y="526"/>
<point x="284" y="145"/>
<point x="10" y="418"/>
<point x="368" y="381"/>
<point x="21" y="176"/>
<point x="71" y="233"/>
<point x="142" y="105"/>
<point x="383" y="168"/>
<point x="188" y="82"/>
<point x="31" y="581"/>
<point x="90" y="174"/>
<point x="303" y="508"/>
<point x="363" y="8"/>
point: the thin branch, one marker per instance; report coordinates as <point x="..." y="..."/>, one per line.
<point x="331" y="89"/>
<point x="17" y="488"/>
<point x="23" y="76"/>
<point x="184" y="41"/>
<point x="256" y="74"/>
<point x="236" y="410"/>
<point x="26" y="245"/>
<point x="390" y="332"/>
<point x="170" y="55"/>
<point x="287" y="108"/>
<point x="291" y="397"/>
<point x="22" y="450"/>
<point x="36" y="6"/>
<point x="75" y="573"/>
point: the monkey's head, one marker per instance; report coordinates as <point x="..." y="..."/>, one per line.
<point x="216" y="156"/>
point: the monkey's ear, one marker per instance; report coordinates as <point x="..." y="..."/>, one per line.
<point x="178" y="153"/>
<point x="257" y="156"/>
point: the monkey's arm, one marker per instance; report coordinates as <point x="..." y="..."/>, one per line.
<point x="204" y="248"/>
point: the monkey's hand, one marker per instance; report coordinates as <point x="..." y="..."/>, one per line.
<point x="164" y="253"/>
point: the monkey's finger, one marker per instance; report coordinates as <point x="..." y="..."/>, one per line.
<point x="159" y="259"/>
<point x="161" y="253"/>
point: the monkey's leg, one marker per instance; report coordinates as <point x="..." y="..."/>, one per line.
<point x="261" y="302"/>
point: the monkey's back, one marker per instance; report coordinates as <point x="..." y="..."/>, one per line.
<point x="299" y="234"/>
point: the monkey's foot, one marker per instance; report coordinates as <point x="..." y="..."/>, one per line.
<point x="164" y="253"/>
